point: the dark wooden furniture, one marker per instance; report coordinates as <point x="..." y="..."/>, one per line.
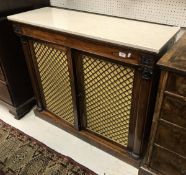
<point x="167" y="150"/>
<point x="83" y="86"/>
<point x="15" y="86"/>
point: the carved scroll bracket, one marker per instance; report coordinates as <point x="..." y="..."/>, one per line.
<point x="17" y="29"/>
<point x="147" y="66"/>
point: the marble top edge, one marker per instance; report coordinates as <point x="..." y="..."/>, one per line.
<point x="67" y="25"/>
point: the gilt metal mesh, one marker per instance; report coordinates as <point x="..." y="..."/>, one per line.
<point x="54" y="74"/>
<point x="108" y="96"/>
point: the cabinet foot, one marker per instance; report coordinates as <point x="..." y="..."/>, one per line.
<point x="135" y="156"/>
<point x="23" y="109"/>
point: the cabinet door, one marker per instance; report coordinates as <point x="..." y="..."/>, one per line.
<point x="54" y="68"/>
<point x="106" y="97"/>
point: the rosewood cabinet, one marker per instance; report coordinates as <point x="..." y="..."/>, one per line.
<point x="167" y="148"/>
<point x="101" y="92"/>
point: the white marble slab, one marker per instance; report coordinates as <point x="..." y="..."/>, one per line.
<point x="140" y="35"/>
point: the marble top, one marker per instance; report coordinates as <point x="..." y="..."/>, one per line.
<point x="125" y="32"/>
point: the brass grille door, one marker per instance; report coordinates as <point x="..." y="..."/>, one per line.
<point x="55" y="80"/>
<point x="108" y="95"/>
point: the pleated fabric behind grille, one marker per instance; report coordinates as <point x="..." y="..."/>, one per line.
<point x="54" y="74"/>
<point x="108" y="95"/>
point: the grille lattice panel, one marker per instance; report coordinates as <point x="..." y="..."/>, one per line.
<point x="108" y="96"/>
<point x="54" y="74"/>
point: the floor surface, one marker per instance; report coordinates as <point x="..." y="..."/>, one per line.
<point x="66" y="144"/>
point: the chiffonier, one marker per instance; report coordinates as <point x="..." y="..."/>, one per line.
<point x="15" y="85"/>
<point x="167" y="150"/>
<point x="95" y="75"/>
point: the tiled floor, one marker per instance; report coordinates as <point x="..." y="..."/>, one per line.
<point x="59" y="140"/>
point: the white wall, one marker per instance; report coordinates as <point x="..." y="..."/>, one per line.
<point x="171" y="12"/>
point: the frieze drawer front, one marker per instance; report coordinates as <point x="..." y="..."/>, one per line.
<point x="171" y="137"/>
<point x="99" y="85"/>
<point x="174" y="110"/>
<point x="177" y="84"/>
<point x="168" y="162"/>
